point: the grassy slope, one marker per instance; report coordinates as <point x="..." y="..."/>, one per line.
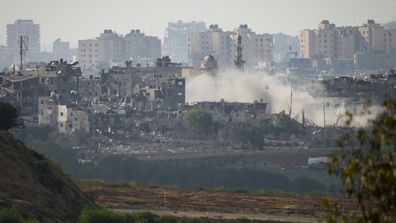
<point x="34" y="186"/>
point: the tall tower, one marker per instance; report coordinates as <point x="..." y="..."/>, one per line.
<point x="239" y="62"/>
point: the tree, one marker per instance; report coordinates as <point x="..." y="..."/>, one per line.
<point x="8" y="116"/>
<point x="199" y="121"/>
<point x="368" y="171"/>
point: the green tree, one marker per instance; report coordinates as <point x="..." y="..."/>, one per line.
<point x="199" y="121"/>
<point x="8" y="116"/>
<point x="368" y="171"/>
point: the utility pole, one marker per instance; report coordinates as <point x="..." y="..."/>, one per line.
<point x="22" y="49"/>
<point x="21" y="52"/>
<point x="324" y="109"/>
<point x="291" y="102"/>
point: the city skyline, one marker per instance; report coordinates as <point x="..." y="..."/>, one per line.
<point x="90" y="18"/>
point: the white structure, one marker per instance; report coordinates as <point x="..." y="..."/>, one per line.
<point x="318" y="161"/>
<point x="88" y="51"/>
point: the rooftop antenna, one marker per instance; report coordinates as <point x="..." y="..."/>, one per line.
<point x="23" y="47"/>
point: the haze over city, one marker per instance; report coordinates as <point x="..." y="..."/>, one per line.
<point x="197" y="111"/>
<point x="74" y="19"/>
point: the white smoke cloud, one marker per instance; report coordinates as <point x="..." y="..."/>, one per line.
<point x="233" y="86"/>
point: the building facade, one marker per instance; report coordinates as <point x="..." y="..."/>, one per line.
<point x="31" y="33"/>
<point x="176" y="39"/>
<point x="88" y="53"/>
<point x="214" y="41"/>
<point x="343" y="43"/>
<point x="257" y="48"/>
<point x="61" y="50"/>
<point x="111" y="49"/>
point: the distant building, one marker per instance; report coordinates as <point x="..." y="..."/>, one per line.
<point x="176" y="39"/>
<point x="6" y="58"/>
<point x="257" y="48"/>
<point x="375" y="38"/>
<point x="213" y="41"/>
<point x="111" y="49"/>
<point x="88" y="53"/>
<point x="30" y="31"/>
<point x="344" y="43"/>
<point x="61" y="50"/>
<point x="141" y="48"/>
<point x="20" y="90"/>
<point x="65" y="119"/>
<point x="285" y="47"/>
<point x="235" y="111"/>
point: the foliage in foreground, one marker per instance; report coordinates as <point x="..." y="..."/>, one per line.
<point x="7" y="216"/>
<point x="368" y="172"/>
<point x="8" y="115"/>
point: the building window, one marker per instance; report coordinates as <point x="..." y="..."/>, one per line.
<point x="61" y="114"/>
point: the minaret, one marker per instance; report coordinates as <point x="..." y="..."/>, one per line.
<point x="238" y="57"/>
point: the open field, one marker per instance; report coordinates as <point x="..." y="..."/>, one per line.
<point x="200" y="202"/>
<point x="226" y="216"/>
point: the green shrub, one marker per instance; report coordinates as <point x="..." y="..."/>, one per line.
<point x="7" y="216"/>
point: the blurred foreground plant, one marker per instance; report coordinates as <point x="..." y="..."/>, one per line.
<point x="368" y="170"/>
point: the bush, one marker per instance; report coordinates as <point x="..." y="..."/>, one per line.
<point x="199" y="121"/>
<point x="8" y="116"/>
<point x="92" y="215"/>
<point x="7" y="216"/>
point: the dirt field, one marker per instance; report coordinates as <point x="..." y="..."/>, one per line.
<point x="227" y="216"/>
<point x="204" y="203"/>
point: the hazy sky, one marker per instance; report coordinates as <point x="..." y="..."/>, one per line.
<point x="80" y="19"/>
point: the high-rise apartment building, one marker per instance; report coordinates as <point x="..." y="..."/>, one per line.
<point x="222" y="46"/>
<point x="111" y="49"/>
<point x="31" y="34"/>
<point x="213" y="41"/>
<point x="338" y="43"/>
<point x="257" y="48"/>
<point x="88" y="51"/>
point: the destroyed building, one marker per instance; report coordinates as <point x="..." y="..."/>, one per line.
<point x="375" y="87"/>
<point x="235" y="111"/>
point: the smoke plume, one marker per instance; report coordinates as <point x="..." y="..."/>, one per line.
<point x="233" y="86"/>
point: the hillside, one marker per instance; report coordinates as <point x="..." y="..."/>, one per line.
<point x="34" y="186"/>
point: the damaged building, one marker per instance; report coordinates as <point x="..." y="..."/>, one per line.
<point x="235" y="111"/>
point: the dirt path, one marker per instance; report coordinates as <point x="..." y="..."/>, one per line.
<point x="216" y="215"/>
